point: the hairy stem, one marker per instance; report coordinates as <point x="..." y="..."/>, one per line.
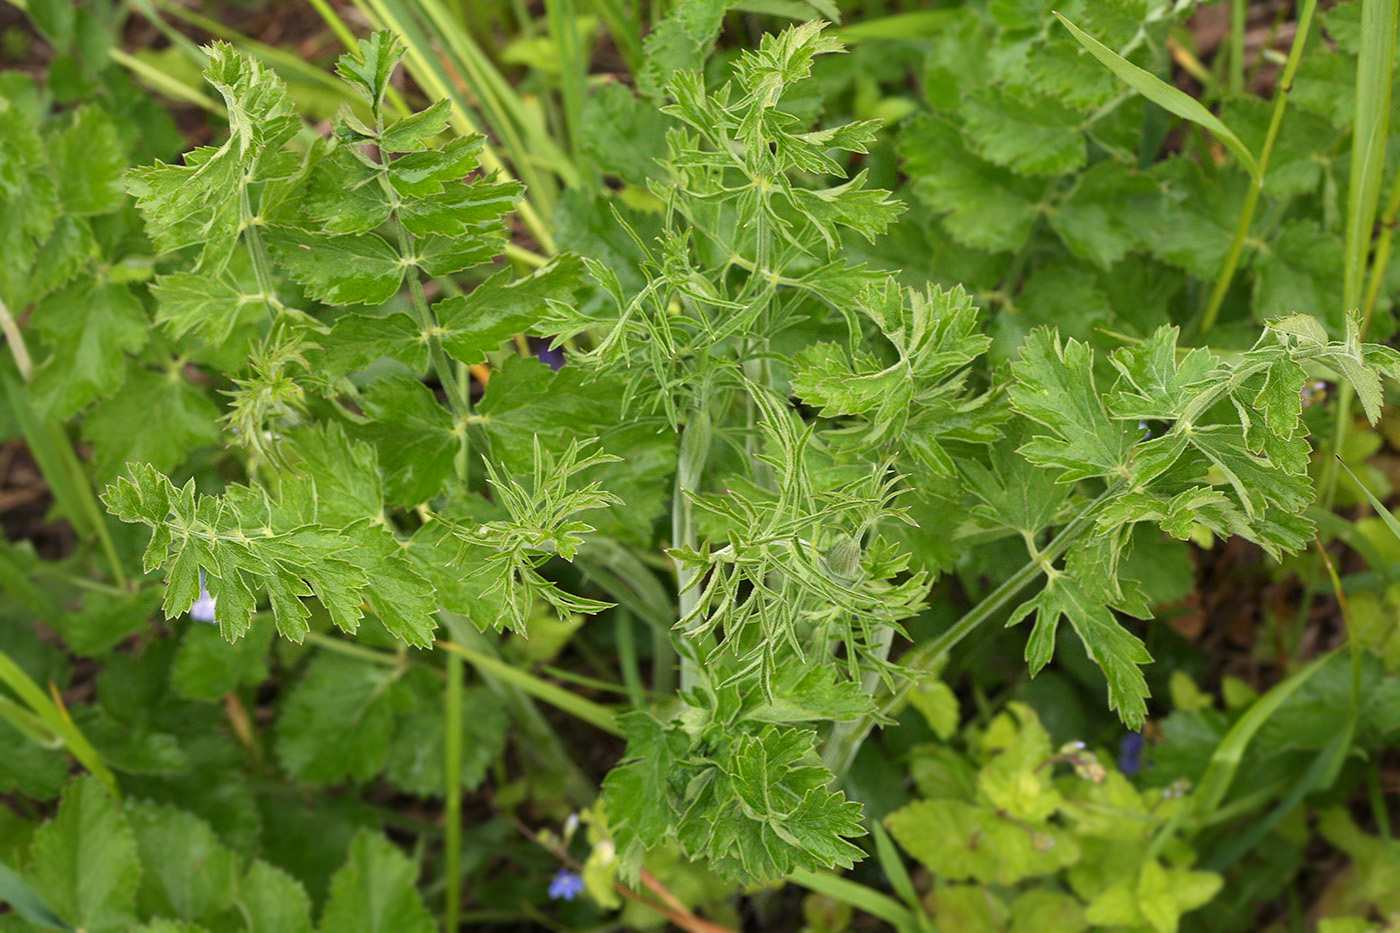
<point x="690" y="467"/>
<point x="838" y="755"/>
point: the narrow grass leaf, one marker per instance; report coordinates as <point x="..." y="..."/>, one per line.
<point x="1164" y="95"/>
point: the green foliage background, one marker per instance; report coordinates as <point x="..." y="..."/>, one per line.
<point x="872" y="334"/>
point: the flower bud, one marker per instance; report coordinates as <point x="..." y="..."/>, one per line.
<point x="843" y="558"/>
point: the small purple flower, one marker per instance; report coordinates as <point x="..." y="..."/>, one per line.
<point x="1130" y="753"/>
<point x="202" y="610"/>
<point x="551" y="357"/>
<point x="566" y="886"/>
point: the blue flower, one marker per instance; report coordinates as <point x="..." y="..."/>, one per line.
<point x="202" y="609"/>
<point x="1130" y="753"/>
<point x="566" y="886"/>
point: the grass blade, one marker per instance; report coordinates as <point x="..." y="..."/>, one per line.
<point x="868" y="900"/>
<point x="1373" y="78"/>
<point x="26" y="902"/>
<point x="56" y="721"/>
<point x="1164" y="95"/>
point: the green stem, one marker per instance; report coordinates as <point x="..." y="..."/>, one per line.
<point x="626" y="30"/>
<point x="927" y="657"/>
<point x="1239" y="12"/>
<point x="1256" y="182"/>
<point x="595" y="714"/>
<point x="96" y="518"/>
<point x="693" y="453"/>
<point x="563" y="26"/>
<point x="535" y="739"/>
<point x="452" y="816"/>
<point x="353" y="650"/>
<point x="15" y="339"/>
<point x="627" y="657"/>
<point x="1382" y="258"/>
<point x="52" y="450"/>
<point x="1374" y="70"/>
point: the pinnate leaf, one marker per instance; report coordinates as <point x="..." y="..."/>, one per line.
<point x="503" y="306"/>
<point x="338" y="270"/>
<point x="1110" y="646"/>
<point x="1055" y="388"/>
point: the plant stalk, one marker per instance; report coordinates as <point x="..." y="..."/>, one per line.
<point x="452" y="811"/>
<point x="1256" y="182"/>
<point x="1374" y="71"/>
<point x="838" y="755"/>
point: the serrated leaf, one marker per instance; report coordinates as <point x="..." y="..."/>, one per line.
<point x="1096" y="220"/>
<point x="936" y="702"/>
<point x="1325" y="84"/>
<point x="375" y="891"/>
<point x="1055" y="388"/>
<point x="211" y="306"/>
<point x="338" y="270"/>
<point x="1108" y="644"/>
<point x="188" y="873"/>
<point x="1192" y="226"/>
<point x="767" y="810"/>
<point x="1297" y="272"/>
<point x="461" y="209"/>
<point x="88" y="163"/>
<point x="1064" y="295"/>
<point x="344" y="195"/>
<point x="415" y="436"/>
<point x="359" y="339"/>
<point x="988" y="207"/>
<point x="1159" y="383"/>
<point x="84" y="861"/>
<point x="346" y="473"/>
<point x="503" y="306"/>
<point x="273" y="901"/>
<point x="199" y="202"/>
<point x="105" y="620"/>
<point x="176" y="418"/>
<point x="682" y="40"/>
<point x="28" y="768"/>
<point x="960" y="840"/>
<point x="207" y="667"/>
<point x="622" y="134"/>
<point x="337" y="722"/>
<point x="1280" y="398"/>
<point x="417" y="130"/>
<point x="637" y="792"/>
<point x="416" y="763"/>
<point x="369" y="67"/>
<point x="422" y="174"/>
<point x="1024" y="131"/>
<point x="89" y="325"/>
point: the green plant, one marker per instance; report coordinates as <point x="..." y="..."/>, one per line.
<point x="793" y="480"/>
